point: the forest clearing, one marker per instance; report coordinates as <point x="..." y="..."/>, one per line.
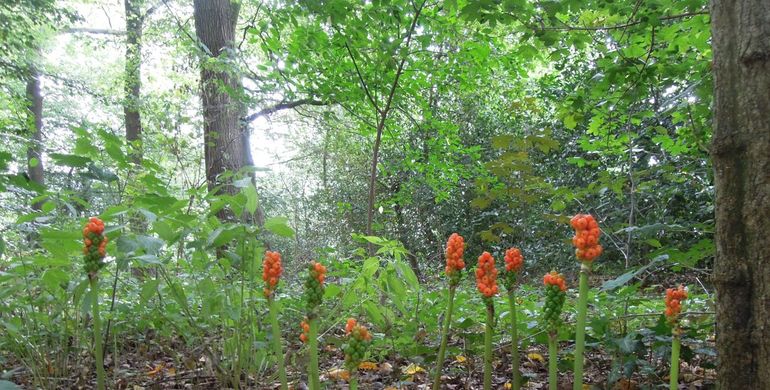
<point x="384" y="194"/>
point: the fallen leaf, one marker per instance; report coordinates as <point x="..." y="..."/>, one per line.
<point x="536" y="356"/>
<point x="155" y="371"/>
<point x="460" y="359"/>
<point x="412" y="369"/>
<point x="386" y="368"/>
<point x="507" y="385"/>
<point x="338" y="374"/>
<point x="369" y="366"/>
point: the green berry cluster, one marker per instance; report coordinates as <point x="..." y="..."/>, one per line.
<point x="94" y="248"/>
<point x="357" y="345"/>
<point x="555" y="295"/>
<point x="314" y="285"/>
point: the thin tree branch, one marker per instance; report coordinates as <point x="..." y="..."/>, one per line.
<point x="361" y="79"/>
<point x="283" y="106"/>
<point x="618" y="26"/>
<point x="101" y="31"/>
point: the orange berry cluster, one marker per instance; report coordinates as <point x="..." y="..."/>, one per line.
<point x="271" y="271"/>
<point x="95" y="242"/>
<point x="314" y="284"/>
<point x="454" y="257"/>
<point x="305" y="330"/>
<point x="355" y="349"/>
<point x="513" y="263"/>
<point x="674" y="298"/>
<point x="586" y="239"/>
<point x="486" y="275"/>
<point x="555" y="295"/>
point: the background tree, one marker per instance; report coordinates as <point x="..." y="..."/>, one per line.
<point x="741" y="154"/>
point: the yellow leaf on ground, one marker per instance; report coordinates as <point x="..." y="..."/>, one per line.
<point x="338" y="374"/>
<point x="390" y="388"/>
<point x="412" y="369"/>
<point x="460" y="359"/>
<point x="536" y="356"/>
<point x="507" y="385"/>
<point x="367" y="366"/>
<point x="158" y="368"/>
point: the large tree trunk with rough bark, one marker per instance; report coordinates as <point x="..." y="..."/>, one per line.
<point x="226" y="143"/>
<point x="741" y="157"/>
<point x="133" y="77"/>
<point x="35" y="148"/>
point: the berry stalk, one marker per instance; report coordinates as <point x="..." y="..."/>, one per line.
<point x="513" y="263"/>
<point x="587" y="248"/>
<point x="444" y="336"/>
<point x="515" y="358"/>
<point x="555" y="295"/>
<point x="580" y="330"/>
<point x="488" y="347"/>
<point x="553" y="361"/>
<point x="486" y="282"/>
<point x="674" y="298"/>
<point x="94" y="251"/>
<point x="674" y="373"/>
<point x="455" y="247"/>
<point x="277" y="347"/>
<point x="98" y="350"/>
<point x="312" y="371"/>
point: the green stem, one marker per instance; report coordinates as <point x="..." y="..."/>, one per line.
<point x="277" y="348"/>
<point x="553" y="360"/>
<point x="514" y="341"/>
<point x="98" y="355"/>
<point x="580" y="331"/>
<point x="444" y="336"/>
<point x="488" y="346"/>
<point x="315" y="382"/>
<point x="674" y="374"/>
<point x="353" y="384"/>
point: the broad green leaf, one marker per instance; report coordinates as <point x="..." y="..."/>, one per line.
<point x="371" y="265"/>
<point x="279" y="226"/>
<point x="251" y="198"/>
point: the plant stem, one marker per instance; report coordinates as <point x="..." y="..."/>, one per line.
<point x="514" y="340"/>
<point x="444" y="336"/>
<point x="315" y="382"/>
<point x="353" y="383"/>
<point x="553" y="360"/>
<point x="98" y="355"/>
<point x="580" y="327"/>
<point x="488" y="346"/>
<point x="277" y="349"/>
<point x="674" y="374"/>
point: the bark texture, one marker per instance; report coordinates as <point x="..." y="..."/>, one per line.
<point x="133" y="78"/>
<point x="226" y="143"/>
<point x="741" y="157"/>
<point x="35" y="148"/>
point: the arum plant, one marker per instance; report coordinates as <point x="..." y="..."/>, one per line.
<point x="314" y="292"/>
<point x="555" y="295"/>
<point x="513" y="263"/>
<point x="486" y="282"/>
<point x="271" y="274"/>
<point x="94" y="251"/>
<point x="587" y="248"/>
<point x="454" y="265"/>
<point x="359" y="340"/>
<point x="674" y="298"/>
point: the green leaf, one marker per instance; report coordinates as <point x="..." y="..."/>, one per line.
<point x="371" y="265"/>
<point x="70" y="160"/>
<point x="148" y="290"/>
<point x="373" y="310"/>
<point x="279" y="226"/>
<point x="570" y="122"/>
<point x="147" y="259"/>
<point x="251" y="198"/>
<point x="54" y="279"/>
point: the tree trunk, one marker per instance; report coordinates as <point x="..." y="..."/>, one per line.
<point x="226" y="143"/>
<point x="133" y="78"/>
<point x="35" y="148"/>
<point x="741" y="157"/>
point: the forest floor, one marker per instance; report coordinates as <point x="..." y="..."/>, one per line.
<point x="152" y="367"/>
